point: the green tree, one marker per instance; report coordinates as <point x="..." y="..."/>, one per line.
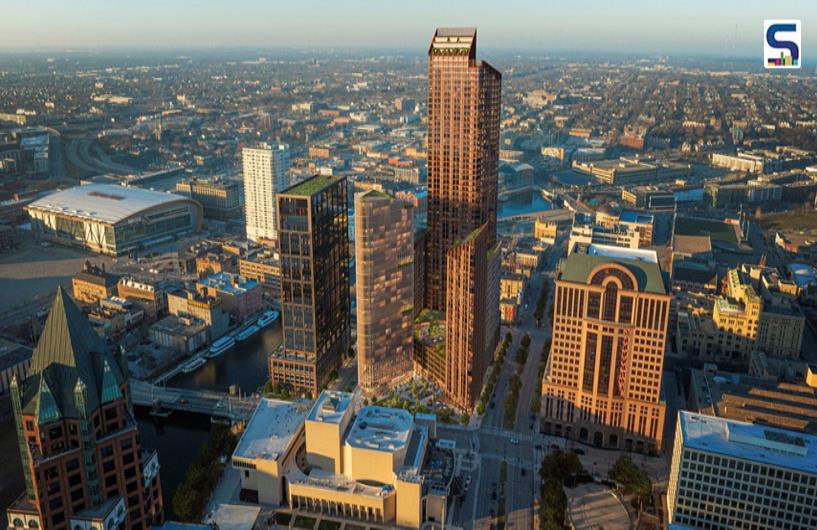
<point x="635" y="481"/>
<point x="553" y="506"/>
<point x="560" y="465"/>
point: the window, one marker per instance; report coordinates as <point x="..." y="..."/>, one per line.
<point x="610" y="301"/>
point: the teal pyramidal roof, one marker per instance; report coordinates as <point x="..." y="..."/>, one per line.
<point x="72" y="372"/>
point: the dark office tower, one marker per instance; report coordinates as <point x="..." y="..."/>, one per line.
<point x="463" y="149"/>
<point x="471" y="326"/>
<point x="313" y="243"/>
<point x="82" y="461"/>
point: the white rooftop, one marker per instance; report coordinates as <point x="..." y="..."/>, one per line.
<point x="381" y="429"/>
<point x="331" y="406"/>
<point x="233" y="516"/>
<point x="756" y="443"/>
<point x="271" y="429"/>
<point x="611" y="251"/>
<point x="107" y="203"/>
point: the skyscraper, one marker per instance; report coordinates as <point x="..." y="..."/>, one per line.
<point x="266" y="172"/>
<point x="313" y="245"/>
<point x="384" y="261"/>
<point x="79" y="443"/>
<point x="464" y="100"/>
<point x="472" y="314"/>
<point x="462" y="279"/>
<point x="602" y="381"/>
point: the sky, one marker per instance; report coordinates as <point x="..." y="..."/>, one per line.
<point x="712" y="27"/>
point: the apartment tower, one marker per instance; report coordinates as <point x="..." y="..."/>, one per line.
<point x="384" y="287"/>
<point x="313" y="245"/>
<point x="463" y="149"/>
<point x="83" y="465"/>
<point x="602" y="381"/>
<point x="471" y="329"/>
<point x="266" y="172"/>
<point x="464" y="99"/>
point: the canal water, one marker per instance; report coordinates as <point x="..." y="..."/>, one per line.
<point x="523" y="202"/>
<point x="179" y="437"/>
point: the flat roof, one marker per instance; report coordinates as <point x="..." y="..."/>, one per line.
<point x="12" y="354"/>
<point x="312" y="185"/>
<point x="271" y="429"/>
<point x="223" y="281"/>
<point x="629" y="216"/>
<point x="330" y="407"/>
<point x="106" y="203"/>
<point x="381" y="429"/>
<point x="756" y="443"/>
<point x="696" y="226"/>
<point x="233" y="516"/>
<point x="612" y="251"/>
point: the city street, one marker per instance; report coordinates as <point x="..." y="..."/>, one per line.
<point x="481" y="452"/>
<point x="485" y="449"/>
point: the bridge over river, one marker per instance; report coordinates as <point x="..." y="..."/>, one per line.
<point x="214" y="404"/>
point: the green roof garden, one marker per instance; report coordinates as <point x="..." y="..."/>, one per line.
<point x="312" y="185"/>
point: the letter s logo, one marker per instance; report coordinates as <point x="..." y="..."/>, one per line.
<point x="787" y="44"/>
<point x="775" y="50"/>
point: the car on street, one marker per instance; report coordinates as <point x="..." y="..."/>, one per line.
<point x="514" y="441"/>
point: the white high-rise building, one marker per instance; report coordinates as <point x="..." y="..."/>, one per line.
<point x="728" y="474"/>
<point x="266" y="172"/>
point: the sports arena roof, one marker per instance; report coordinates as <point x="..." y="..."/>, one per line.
<point x="105" y="203"/>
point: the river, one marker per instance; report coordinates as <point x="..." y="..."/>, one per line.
<point x="180" y="436"/>
<point x="523" y="202"/>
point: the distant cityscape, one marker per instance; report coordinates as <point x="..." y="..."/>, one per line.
<point x="257" y="290"/>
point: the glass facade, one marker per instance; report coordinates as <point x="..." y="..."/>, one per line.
<point x="313" y="244"/>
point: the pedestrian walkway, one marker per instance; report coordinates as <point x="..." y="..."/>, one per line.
<point x="592" y="506"/>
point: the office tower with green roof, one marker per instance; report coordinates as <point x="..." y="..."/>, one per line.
<point x="313" y="245"/>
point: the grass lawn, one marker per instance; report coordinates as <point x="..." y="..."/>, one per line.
<point x="717" y="230"/>
<point x="796" y="221"/>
